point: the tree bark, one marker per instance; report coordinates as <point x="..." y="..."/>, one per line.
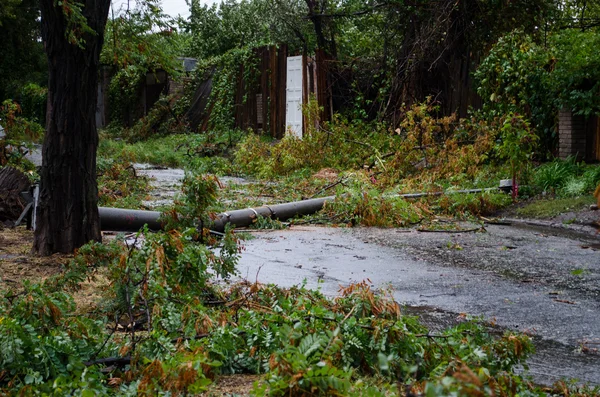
<point x="317" y="20"/>
<point x="12" y="183"/>
<point x="67" y="215"/>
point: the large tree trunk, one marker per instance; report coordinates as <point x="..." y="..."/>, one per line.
<point x="67" y="215"/>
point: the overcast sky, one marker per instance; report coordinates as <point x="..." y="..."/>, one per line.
<point x="171" y="7"/>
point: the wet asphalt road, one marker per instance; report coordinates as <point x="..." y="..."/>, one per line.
<point x="535" y="280"/>
<point x="543" y="281"/>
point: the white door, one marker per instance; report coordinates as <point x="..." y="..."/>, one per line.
<point x="293" y="103"/>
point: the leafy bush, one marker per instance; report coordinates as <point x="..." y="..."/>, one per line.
<point x="553" y="175"/>
<point x="160" y="120"/>
<point x="516" y="145"/>
<point x="474" y="204"/>
<point x="119" y="185"/>
<point x="574" y="187"/>
<point x="199" y="194"/>
<point x="361" y="203"/>
<point x="339" y="145"/>
<point x="567" y="178"/>
<point x="591" y="176"/>
<point x="20" y="133"/>
<point x="44" y="345"/>
<point x="33" y="100"/>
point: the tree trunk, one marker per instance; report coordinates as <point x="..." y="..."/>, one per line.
<point x="67" y="215"/>
<point x="12" y="183"/>
<point x="315" y="17"/>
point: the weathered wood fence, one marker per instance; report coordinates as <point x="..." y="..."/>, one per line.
<point x="260" y="100"/>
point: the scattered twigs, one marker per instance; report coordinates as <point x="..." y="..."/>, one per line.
<point x="148" y="317"/>
<point x="118" y="361"/>
<point x="215" y="302"/>
<point x="382" y="157"/>
<point x="431" y="336"/>
<point x="350" y="140"/>
<point x="132" y="168"/>
<point x="339" y="181"/>
<point x="108" y="337"/>
<point x="495" y="221"/>
<point x="476" y="229"/>
<point x="186" y="338"/>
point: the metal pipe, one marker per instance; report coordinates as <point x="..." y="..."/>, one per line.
<point x="119" y="219"/>
<point x="132" y="220"/>
<point x="245" y="217"/>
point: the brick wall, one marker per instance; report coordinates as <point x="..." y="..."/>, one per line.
<point x="571" y="135"/>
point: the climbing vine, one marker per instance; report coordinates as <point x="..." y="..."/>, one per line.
<point x="225" y="73"/>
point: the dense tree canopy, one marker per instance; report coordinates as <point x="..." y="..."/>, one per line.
<point x="22" y="57"/>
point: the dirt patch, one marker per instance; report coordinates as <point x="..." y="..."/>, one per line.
<point x="18" y="264"/>
<point x="328" y="174"/>
<point x="232" y="385"/>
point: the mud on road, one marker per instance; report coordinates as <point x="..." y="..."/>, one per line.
<point x="542" y="281"/>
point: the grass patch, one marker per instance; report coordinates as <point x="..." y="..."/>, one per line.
<point x="206" y="152"/>
<point x="167" y="151"/>
<point x="554" y="207"/>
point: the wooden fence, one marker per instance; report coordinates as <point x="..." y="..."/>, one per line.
<point x="260" y="100"/>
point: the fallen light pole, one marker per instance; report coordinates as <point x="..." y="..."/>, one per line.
<point x="117" y="219"/>
<point x="282" y="212"/>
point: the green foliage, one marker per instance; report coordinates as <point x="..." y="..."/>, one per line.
<point x="341" y="144"/>
<point x="33" y="102"/>
<point x="218" y="29"/>
<point x="138" y="42"/>
<point x="506" y="74"/>
<point x="567" y="177"/>
<point x="513" y="78"/>
<point x="263" y="222"/>
<point x="303" y="342"/>
<point x="314" y="346"/>
<point x="19" y="133"/>
<point x="45" y="345"/>
<point x="591" y="177"/>
<point x="224" y="71"/>
<point x="548" y="208"/>
<point x="517" y="143"/>
<point x="22" y="58"/>
<point x="520" y="76"/>
<point x="161" y="120"/>
<point x="575" y="80"/>
<point x="199" y="193"/>
<point x="472" y="204"/>
<point x="361" y="203"/>
<point x="119" y="186"/>
<point x="142" y="36"/>
<point x="167" y="151"/>
<point x="554" y="175"/>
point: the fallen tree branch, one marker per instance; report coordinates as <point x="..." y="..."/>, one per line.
<point x="451" y="231"/>
<point x="339" y="181"/>
<point x="118" y="361"/>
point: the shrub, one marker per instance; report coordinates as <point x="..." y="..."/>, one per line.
<point x="20" y="133"/>
<point x="119" y="185"/>
<point x="554" y="175"/>
<point x="591" y="176"/>
<point x="359" y="202"/>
